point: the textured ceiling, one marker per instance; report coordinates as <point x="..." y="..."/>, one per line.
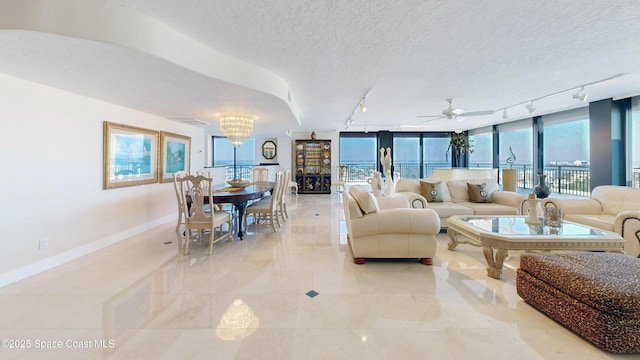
<point x="487" y="54"/>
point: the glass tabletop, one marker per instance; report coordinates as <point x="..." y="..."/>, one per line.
<point x="516" y="225"/>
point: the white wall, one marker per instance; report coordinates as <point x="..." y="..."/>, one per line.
<point x="51" y="143"/>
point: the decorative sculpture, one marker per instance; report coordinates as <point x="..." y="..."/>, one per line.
<point x="385" y="160"/>
<point x="511" y="158"/>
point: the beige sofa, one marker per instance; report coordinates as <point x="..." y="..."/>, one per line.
<point x="387" y="227"/>
<point x="456" y="201"/>
<point x="613" y="208"/>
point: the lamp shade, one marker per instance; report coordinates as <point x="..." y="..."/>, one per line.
<point x="236" y="127"/>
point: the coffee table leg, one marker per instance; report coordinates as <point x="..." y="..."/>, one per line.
<point x="494" y="268"/>
<point x="453" y="235"/>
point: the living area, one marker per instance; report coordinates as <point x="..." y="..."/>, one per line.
<point x="546" y="93"/>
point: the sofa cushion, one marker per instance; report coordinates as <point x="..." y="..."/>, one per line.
<point x="478" y="193"/>
<point x="365" y="200"/>
<point x="604" y="222"/>
<point x="615" y="199"/>
<point x="431" y="190"/>
<point x="447" y="209"/>
<point x="490" y="208"/>
<point x="460" y="192"/>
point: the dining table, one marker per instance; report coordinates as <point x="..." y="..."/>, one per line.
<point x="240" y="197"/>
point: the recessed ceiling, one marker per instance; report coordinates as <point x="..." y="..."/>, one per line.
<point x="303" y="65"/>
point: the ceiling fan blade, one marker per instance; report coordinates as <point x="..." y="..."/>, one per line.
<point x="478" y="113"/>
<point x="434" y="118"/>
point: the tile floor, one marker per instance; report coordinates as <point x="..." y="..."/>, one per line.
<point x="254" y="299"/>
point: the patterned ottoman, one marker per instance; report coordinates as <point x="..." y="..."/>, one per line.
<point x="597" y="295"/>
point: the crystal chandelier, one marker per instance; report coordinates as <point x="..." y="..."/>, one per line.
<point x="236" y="127"/>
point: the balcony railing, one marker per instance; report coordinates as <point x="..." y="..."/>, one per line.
<point x="561" y="179"/>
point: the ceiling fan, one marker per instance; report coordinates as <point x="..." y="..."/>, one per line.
<point x="451" y="113"/>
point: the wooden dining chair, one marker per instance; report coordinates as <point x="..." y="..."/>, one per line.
<point x="282" y="201"/>
<point x="265" y="211"/>
<point x="218" y="207"/>
<point x="292" y="185"/>
<point x="197" y="193"/>
<point x="260" y="174"/>
<point x="177" y="176"/>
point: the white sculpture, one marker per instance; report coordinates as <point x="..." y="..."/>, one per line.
<point x="377" y="183"/>
<point x="385" y="160"/>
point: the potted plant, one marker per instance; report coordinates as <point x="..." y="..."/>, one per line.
<point x="459" y="145"/>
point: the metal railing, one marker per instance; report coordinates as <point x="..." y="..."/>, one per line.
<point x="561" y="179"/>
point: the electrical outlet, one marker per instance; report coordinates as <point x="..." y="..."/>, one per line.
<point x="43" y="244"/>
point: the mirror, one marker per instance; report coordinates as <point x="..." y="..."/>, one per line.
<point x="269" y="150"/>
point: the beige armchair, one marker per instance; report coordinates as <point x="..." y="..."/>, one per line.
<point x="613" y="208"/>
<point x="386" y="227"/>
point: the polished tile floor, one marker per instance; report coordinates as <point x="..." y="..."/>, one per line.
<point x="294" y="294"/>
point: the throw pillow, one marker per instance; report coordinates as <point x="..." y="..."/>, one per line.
<point x="478" y="193"/>
<point x="365" y="200"/>
<point x="432" y="191"/>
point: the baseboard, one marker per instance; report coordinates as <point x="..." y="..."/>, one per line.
<point x="26" y="271"/>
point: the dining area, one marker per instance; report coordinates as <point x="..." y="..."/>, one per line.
<point x="211" y="212"/>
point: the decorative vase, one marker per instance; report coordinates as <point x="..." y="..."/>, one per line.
<point x="313" y="135"/>
<point x="541" y="190"/>
<point x="533" y="209"/>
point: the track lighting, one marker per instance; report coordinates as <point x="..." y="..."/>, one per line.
<point x="530" y="107"/>
<point x="581" y="94"/>
<point x="361" y="106"/>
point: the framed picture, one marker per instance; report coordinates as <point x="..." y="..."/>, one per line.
<point x="175" y="154"/>
<point x="269" y="150"/>
<point x="130" y="156"/>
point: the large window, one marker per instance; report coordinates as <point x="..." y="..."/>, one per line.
<point x="635" y="142"/>
<point x="406" y="156"/>
<point x="482" y="156"/>
<point x="245" y="156"/>
<point x="434" y="156"/>
<point x="359" y="153"/>
<point x="566" y="151"/>
<point x="518" y="136"/>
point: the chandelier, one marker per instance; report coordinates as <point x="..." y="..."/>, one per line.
<point x="236" y="127"/>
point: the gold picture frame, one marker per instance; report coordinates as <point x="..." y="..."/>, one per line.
<point x="130" y="156"/>
<point x="175" y="155"/>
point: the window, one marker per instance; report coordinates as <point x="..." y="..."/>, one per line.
<point x="635" y="142"/>
<point x="435" y="153"/>
<point x="245" y="155"/>
<point x="482" y="156"/>
<point x="566" y="151"/>
<point x="406" y="156"/>
<point x="519" y="136"/>
<point x="358" y="151"/>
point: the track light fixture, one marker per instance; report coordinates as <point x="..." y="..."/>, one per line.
<point x="362" y="106"/>
<point x="581" y="94"/>
<point x="530" y="107"/>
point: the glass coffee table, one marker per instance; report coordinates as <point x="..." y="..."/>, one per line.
<point x="499" y="234"/>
